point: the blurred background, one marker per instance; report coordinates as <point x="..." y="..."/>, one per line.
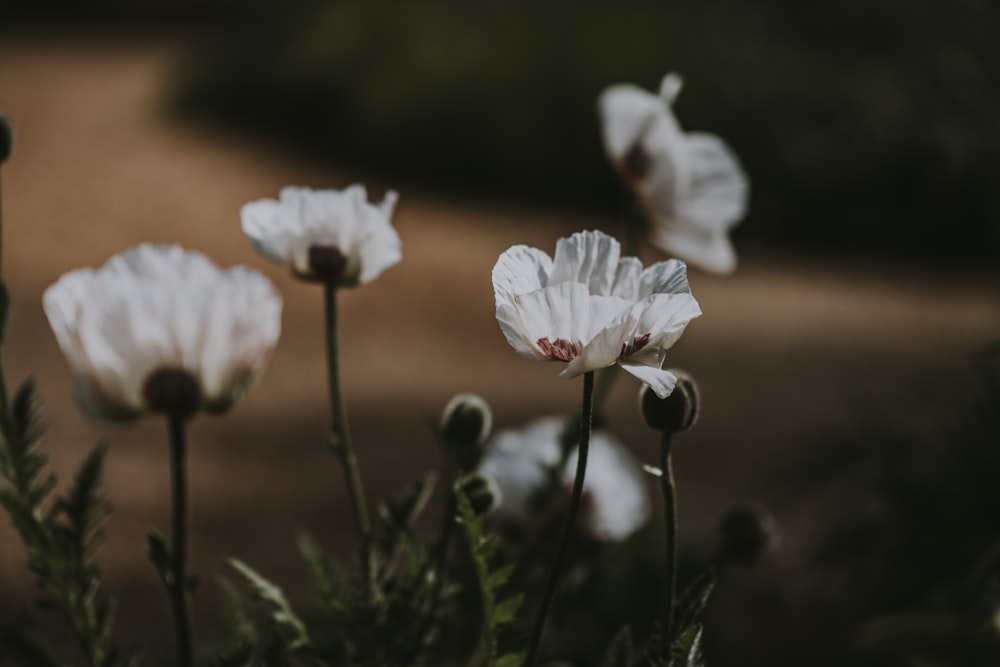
<point x="849" y="367"/>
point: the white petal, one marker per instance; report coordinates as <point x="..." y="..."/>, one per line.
<point x="709" y="251"/>
<point x="670" y="87"/>
<point x="718" y="190"/>
<point x="627" y="112"/>
<point x="660" y="381"/>
<point x="615" y="488"/>
<point x="669" y="277"/>
<point x="590" y="258"/>
<point x="519" y="270"/>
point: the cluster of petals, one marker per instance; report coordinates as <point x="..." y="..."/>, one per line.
<point x="615" y="502"/>
<point x="591" y="308"/>
<point x="334" y="236"/>
<point x="690" y="184"/>
<point x="158" y="309"/>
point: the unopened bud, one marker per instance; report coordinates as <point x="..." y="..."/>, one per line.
<point x="748" y="532"/>
<point x="6" y="136"/>
<point x="481" y="491"/>
<point x="465" y="425"/>
<point x="675" y="413"/>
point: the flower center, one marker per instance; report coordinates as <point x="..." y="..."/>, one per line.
<point x="630" y="348"/>
<point x="173" y="391"/>
<point x="327" y="263"/>
<point x="560" y="350"/>
<point x="636" y="163"/>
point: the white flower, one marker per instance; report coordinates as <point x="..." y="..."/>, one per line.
<point x="592" y="308"/>
<point x="325" y="235"/>
<point x="690" y="183"/>
<point x="615" y="502"/>
<point x="159" y="328"/>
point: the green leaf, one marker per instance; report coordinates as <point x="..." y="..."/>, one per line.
<point x="510" y="660"/>
<point x="507" y="610"/>
<point x="499" y="577"/>
<point x="160" y="555"/>
<point x="281" y="611"/>
<point x="621" y="653"/>
<point x="694" y="599"/>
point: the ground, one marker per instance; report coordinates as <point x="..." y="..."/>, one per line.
<point x="788" y="347"/>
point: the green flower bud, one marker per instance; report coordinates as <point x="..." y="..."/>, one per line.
<point x="465" y="425"/>
<point x="481" y="491"/>
<point x="6" y="136"/>
<point x="748" y="532"/>
<point x="675" y="413"/>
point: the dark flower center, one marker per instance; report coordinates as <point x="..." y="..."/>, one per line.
<point x="327" y="263"/>
<point x="560" y="350"/>
<point x="173" y="391"/>
<point x="636" y="164"/>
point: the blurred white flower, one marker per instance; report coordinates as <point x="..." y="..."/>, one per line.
<point x="592" y="308"/>
<point x="325" y="235"/>
<point x="159" y="328"/>
<point x="615" y="503"/>
<point x="690" y="183"/>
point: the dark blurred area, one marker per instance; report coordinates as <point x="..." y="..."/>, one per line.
<point x="866" y="127"/>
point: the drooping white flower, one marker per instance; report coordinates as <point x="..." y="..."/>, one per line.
<point x="615" y="502"/>
<point x="160" y="328"/>
<point x="325" y="235"/>
<point x="690" y="184"/>
<point x="592" y="308"/>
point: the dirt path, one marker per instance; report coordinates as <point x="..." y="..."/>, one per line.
<point x="786" y="348"/>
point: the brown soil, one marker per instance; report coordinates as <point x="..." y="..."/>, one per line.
<point x="787" y="348"/>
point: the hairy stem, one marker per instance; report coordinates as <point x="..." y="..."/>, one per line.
<point x="567" y="531"/>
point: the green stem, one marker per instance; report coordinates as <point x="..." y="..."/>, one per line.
<point x="340" y="438"/>
<point x="670" y="518"/>
<point x="180" y="601"/>
<point x="567" y="531"/>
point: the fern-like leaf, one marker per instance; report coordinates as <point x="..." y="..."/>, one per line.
<point x="281" y="611"/>
<point x="496" y="612"/>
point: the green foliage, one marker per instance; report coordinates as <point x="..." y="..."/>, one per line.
<point x="497" y="610"/>
<point x="621" y="653"/>
<point x="62" y="542"/>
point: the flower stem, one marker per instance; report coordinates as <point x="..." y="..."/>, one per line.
<point x="567" y="531"/>
<point x="670" y="518"/>
<point x="180" y="601"/>
<point x="340" y="438"/>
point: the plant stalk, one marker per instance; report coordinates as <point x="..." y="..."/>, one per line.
<point x="340" y="438"/>
<point x="567" y="531"/>
<point x="180" y="599"/>
<point x="670" y="524"/>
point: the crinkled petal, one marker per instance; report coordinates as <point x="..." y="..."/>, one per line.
<point x="588" y="257"/>
<point x="520" y="270"/>
<point x="669" y="277"/>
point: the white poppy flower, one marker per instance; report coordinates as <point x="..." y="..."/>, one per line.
<point x="325" y="235"/>
<point x="615" y="502"/>
<point x="592" y="308"/>
<point x="159" y="328"/>
<point x="690" y="183"/>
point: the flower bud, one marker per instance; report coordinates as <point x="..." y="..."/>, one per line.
<point x="675" y="413"/>
<point x="465" y="425"/>
<point x="481" y="491"/>
<point x="6" y="136"/>
<point x="748" y="532"/>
